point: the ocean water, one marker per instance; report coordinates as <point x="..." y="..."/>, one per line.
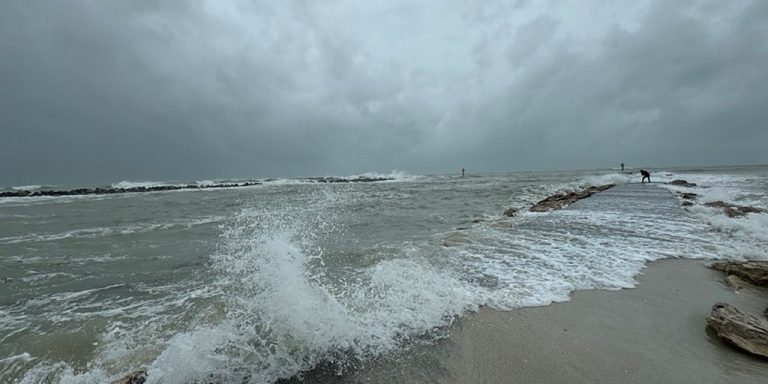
<point x="255" y="284"/>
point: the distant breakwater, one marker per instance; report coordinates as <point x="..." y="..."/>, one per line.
<point x="161" y="188"/>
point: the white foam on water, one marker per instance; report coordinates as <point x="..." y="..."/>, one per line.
<point x="395" y="175"/>
<point x="87" y="233"/>
<point x="125" y="184"/>
<point x="745" y="237"/>
<point x="612" y="178"/>
<point x="27" y="187"/>
<point x="283" y="317"/>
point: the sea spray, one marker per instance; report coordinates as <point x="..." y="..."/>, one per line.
<point x="285" y="315"/>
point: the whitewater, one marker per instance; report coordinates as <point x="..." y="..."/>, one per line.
<point x="260" y="283"/>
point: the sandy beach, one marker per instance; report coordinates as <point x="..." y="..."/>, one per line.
<point x="654" y="333"/>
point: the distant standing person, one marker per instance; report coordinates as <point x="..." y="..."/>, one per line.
<point x="622" y="167"/>
<point x="646" y="175"/>
<point x="462" y="172"/>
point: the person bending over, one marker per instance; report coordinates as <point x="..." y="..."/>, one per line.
<point x="646" y="175"/>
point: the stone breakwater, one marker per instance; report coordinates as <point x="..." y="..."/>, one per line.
<point x="111" y="190"/>
<point x="160" y="188"/>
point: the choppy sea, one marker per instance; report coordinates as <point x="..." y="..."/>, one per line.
<point x="259" y="283"/>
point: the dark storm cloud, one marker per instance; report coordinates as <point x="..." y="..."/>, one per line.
<point x="104" y="91"/>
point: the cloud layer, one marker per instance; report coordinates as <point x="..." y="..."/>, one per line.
<point x="105" y="91"/>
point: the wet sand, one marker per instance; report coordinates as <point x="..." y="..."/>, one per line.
<point x="654" y="333"/>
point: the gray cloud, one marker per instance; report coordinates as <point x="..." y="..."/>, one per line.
<point x="108" y="91"/>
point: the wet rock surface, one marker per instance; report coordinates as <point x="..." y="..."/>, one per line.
<point x="733" y="210"/>
<point x="754" y="272"/>
<point x="138" y="377"/>
<point x="563" y="200"/>
<point x="511" y="212"/>
<point x="682" y="183"/>
<point x="744" y="330"/>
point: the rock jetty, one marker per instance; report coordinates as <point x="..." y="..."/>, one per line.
<point x="159" y="188"/>
<point x="111" y="190"/>
<point x="560" y="201"/>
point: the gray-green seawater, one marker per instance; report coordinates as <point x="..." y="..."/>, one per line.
<point x="259" y="283"/>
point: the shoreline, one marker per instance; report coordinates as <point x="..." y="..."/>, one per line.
<point x="655" y="332"/>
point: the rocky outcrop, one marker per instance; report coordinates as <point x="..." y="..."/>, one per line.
<point x="682" y="183"/>
<point x="110" y="190"/>
<point x="733" y="210"/>
<point x="755" y="272"/>
<point x="510" y="212"/>
<point x="563" y="200"/>
<point x="688" y="195"/>
<point x="746" y="331"/>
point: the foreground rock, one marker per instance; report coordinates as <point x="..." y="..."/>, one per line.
<point x="556" y="202"/>
<point x="755" y="272"/>
<point x="733" y="210"/>
<point x="682" y="183"/>
<point x="742" y="329"/>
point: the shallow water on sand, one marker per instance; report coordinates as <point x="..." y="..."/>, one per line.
<point x="260" y="283"/>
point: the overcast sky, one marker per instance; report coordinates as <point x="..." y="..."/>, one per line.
<point x="101" y="91"/>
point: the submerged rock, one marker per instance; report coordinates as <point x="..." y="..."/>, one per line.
<point x="747" y="331"/>
<point x="735" y="282"/>
<point x="688" y="195"/>
<point x="733" y="210"/>
<point x="556" y="202"/>
<point x="510" y="212"/>
<point x="682" y="183"/>
<point x="755" y="272"/>
<point x="138" y="377"/>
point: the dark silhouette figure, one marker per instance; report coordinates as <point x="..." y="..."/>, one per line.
<point x="646" y="175"/>
<point x="462" y="172"/>
<point x="622" y="167"/>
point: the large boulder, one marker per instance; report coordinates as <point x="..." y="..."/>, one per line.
<point x="682" y="183"/>
<point x="746" y="331"/>
<point x="755" y="272"/>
